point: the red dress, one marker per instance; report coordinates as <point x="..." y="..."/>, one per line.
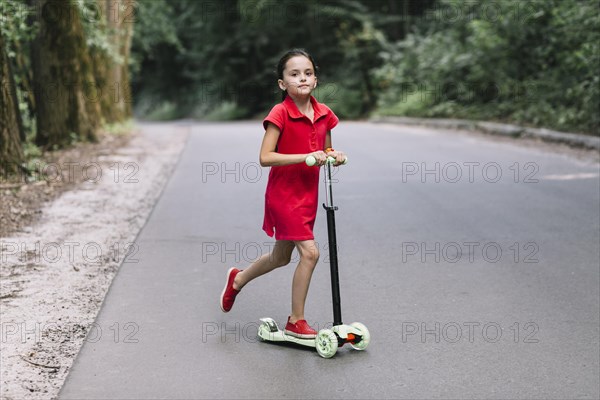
<point x="293" y="190"/>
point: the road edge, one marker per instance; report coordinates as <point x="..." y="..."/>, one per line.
<point x="500" y="129"/>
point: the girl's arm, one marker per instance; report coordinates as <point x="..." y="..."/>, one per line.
<point x="269" y="157"/>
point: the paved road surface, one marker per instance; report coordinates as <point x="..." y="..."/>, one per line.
<point x="475" y="265"/>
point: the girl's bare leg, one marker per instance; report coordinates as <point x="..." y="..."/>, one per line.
<point x="309" y="255"/>
<point x="278" y="257"/>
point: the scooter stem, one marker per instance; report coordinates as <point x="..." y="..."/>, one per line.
<point x="335" y="283"/>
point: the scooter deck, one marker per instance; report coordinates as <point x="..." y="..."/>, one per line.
<point x="274" y="334"/>
<point x="280" y="336"/>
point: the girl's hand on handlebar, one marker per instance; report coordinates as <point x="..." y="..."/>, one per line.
<point x="320" y="156"/>
<point x="339" y="156"/>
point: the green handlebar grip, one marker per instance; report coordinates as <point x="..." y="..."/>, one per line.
<point x="311" y="160"/>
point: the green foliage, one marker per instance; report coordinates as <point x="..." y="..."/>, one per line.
<point x="97" y="32"/>
<point x="33" y="156"/>
<point x="414" y="104"/>
<point x="158" y="111"/>
<point x="155" y="29"/>
<point x="225" y="111"/>
<point x="14" y="23"/>
<point x="119" y="128"/>
<point x="535" y="63"/>
<point x="206" y="55"/>
<point x="18" y="29"/>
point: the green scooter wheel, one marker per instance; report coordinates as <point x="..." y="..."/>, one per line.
<point x="365" y="336"/>
<point x="326" y="343"/>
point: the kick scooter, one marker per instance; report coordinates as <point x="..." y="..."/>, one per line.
<point x="327" y="340"/>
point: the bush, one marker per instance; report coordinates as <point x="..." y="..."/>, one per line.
<point x="534" y="63"/>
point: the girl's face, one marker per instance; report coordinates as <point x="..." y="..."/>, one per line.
<point x="298" y="77"/>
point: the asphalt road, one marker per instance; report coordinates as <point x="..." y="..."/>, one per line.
<point x="474" y="264"/>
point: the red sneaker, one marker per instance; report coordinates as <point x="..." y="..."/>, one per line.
<point x="229" y="293"/>
<point x="300" y="329"/>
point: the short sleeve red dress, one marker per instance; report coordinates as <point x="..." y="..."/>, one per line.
<point x="292" y="190"/>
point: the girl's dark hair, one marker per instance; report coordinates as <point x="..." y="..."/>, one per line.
<point x="284" y="59"/>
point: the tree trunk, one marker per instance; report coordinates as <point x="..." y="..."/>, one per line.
<point x="16" y="69"/>
<point x="67" y="99"/>
<point x="101" y="63"/>
<point x="11" y="151"/>
<point x="113" y="75"/>
<point x="127" y="29"/>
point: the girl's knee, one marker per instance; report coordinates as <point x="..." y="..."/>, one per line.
<point x="313" y="256"/>
<point x="310" y="255"/>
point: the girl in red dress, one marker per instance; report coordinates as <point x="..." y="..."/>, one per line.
<point x="297" y="127"/>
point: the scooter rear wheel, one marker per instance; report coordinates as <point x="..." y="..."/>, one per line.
<point x="365" y="336"/>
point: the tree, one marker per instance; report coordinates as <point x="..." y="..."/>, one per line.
<point x="110" y="54"/>
<point x="123" y="27"/>
<point x="11" y="152"/>
<point x="67" y="98"/>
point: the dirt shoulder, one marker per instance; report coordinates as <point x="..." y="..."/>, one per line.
<point x="62" y="240"/>
<point x="24" y="195"/>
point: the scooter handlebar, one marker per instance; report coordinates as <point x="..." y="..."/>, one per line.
<point x="311" y="160"/>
